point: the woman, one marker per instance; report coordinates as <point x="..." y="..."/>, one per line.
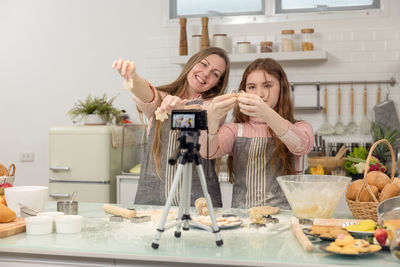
<point x="204" y="77"/>
<point x="264" y="141"/>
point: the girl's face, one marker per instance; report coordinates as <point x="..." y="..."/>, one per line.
<point x="206" y="74"/>
<point x="264" y="85"/>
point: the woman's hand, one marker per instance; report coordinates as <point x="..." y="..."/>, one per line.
<point x="253" y="105"/>
<point x="218" y="109"/>
<point x="126" y="68"/>
<point x="171" y="102"/>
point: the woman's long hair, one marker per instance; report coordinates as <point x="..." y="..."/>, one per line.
<point x="180" y="86"/>
<point x="284" y="107"/>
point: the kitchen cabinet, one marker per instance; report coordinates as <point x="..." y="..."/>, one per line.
<point x="278" y="56"/>
<point x="126" y="188"/>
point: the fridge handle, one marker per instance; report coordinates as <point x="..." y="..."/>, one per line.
<point x="58" y="195"/>
<point x="62" y="168"/>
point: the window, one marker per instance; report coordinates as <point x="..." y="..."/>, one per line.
<point x="296" y="6"/>
<point x="212" y="8"/>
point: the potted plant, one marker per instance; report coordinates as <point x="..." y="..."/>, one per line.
<point x="95" y="110"/>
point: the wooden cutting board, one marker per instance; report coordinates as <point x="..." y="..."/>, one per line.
<point x="12" y="228"/>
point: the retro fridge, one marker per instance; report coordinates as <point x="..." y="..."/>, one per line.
<point x="84" y="159"/>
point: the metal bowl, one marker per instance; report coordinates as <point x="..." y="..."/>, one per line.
<point x="68" y="207"/>
<point x="389" y="209"/>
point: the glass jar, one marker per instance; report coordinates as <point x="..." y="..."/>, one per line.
<point x="395" y="246"/>
<point x="242" y="47"/>
<point x="266" y="47"/>
<point x="220" y="40"/>
<point x="307" y="43"/>
<point x="196" y="44"/>
<point x="287" y="40"/>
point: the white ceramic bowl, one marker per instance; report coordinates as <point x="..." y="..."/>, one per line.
<point x="39" y="225"/>
<point x="68" y="224"/>
<point x="31" y="196"/>
<point x="53" y="214"/>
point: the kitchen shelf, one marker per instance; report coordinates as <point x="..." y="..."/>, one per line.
<point x="278" y="56"/>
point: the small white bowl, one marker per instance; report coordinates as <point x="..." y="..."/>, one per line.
<point x="53" y="214"/>
<point x="39" y="225"/>
<point x="68" y="224"/>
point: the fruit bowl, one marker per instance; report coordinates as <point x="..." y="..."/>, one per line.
<point x="313" y="196"/>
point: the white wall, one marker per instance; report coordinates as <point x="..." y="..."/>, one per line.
<point x="55" y="52"/>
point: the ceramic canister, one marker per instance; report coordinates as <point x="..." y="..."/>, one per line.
<point x="220" y="40"/>
<point x="242" y="47"/>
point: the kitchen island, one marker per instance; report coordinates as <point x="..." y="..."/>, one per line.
<point x="105" y="243"/>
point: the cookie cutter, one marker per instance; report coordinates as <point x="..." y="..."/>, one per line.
<point x="140" y="219"/>
<point x="116" y="218"/>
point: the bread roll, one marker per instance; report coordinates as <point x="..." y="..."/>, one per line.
<point x="353" y="189"/>
<point x="379" y="179"/>
<point x="6" y="214"/>
<point x="396" y="181"/>
<point x="390" y="190"/>
<point x="365" y="196"/>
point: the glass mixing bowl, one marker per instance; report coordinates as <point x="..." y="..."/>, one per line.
<point x="313" y="196"/>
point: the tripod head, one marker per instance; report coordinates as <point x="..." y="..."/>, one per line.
<point x="188" y="147"/>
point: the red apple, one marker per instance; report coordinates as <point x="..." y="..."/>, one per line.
<point x="381" y="236"/>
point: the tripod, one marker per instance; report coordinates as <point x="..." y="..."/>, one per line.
<point x="186" y="153"/>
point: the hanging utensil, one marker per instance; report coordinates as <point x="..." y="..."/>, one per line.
<point x="339" y="126"/>
<point x="378" y="95"/>
<point x="351" y="128"/>
<point x="326" y="128"/>
<point x="365" y="126"/>
<point x="386" y="113"/>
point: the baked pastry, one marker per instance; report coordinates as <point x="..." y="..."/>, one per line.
<point x="3" y="170"/>
<point x="344" y="240"/>
<point x="353" y="189"/>
<point x="379" y="179"/>
<point x="6" y="214"/>
<point x="365" y="196"/>
<point x="389" y="191"/>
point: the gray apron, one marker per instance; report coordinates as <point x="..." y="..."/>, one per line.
<point x="153" y="190"/>
<point x="256" y="184"/>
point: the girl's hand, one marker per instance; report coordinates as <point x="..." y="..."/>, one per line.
<point x="218" y="109"/>
<point x="126" y="68"/>
<point x="171" y="102"/>
<point x="253" y="105"/>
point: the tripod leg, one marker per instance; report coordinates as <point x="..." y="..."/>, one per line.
<point x="203" y="182"/>
<point x="182" y="201"/>
<point x="188" y="178"/>
<point x="171" y="194"/>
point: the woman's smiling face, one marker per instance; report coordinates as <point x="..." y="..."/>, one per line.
<point x="206" y="74"/>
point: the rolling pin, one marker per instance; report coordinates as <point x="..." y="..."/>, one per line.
<point x="303" y="239"/>
<point x="126" y="213"/>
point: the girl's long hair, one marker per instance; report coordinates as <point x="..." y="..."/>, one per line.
<point x="180" y="86"/>
<point x="281" y="155"/>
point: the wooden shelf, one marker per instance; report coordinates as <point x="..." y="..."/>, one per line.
<point x="278" y="56"/>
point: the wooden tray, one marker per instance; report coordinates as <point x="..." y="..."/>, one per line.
<point x="12" y="228"/>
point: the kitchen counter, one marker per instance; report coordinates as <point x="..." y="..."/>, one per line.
<point x="105" y="243"/>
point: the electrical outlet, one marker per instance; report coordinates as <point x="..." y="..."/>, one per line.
<point x="26" y="156"/>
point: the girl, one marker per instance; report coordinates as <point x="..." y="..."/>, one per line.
<point x="264" y="141"/>
<point x="204" y="77"/>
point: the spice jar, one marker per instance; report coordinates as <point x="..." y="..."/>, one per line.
<point x="307" y="43"/>
<point x="287" y="40"/>
<point x="242" y="47"/>
<point x="196" y="43"/>
<point x="220" y="40"/>
<point x="266" y="47"/>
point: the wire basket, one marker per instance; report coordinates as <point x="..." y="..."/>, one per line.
<point x="368" y="210"/>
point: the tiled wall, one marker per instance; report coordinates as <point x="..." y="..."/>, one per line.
<point x="364" y="54"/>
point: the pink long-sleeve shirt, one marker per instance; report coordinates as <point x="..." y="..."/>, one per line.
<point x="298" y="138"/>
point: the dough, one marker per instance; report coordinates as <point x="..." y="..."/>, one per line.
<point x="161" y="116"/>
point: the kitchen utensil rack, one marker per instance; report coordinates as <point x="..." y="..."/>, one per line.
<point x="392" y="81"/>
